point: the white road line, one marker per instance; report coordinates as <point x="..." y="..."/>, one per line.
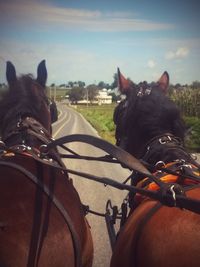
<point x="60" y="120"/>
<point x="62" y="126"/>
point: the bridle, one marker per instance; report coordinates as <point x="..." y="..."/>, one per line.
<point x="165" y="142"/>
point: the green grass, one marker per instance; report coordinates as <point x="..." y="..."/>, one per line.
<point x="193" y="138"/>
<point x="101" y="118"/>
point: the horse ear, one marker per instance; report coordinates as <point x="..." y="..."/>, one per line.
<point x="124" y="84"/>
<point x="164" y="82"/>
<point x="42" y="73"/>
<point x="10" y="72"/>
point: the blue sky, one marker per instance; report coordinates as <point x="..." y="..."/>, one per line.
<point x="88" y="39"/>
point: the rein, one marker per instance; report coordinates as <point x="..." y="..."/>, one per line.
<point x="166" y="198"/>
<point x="164" y="195"/>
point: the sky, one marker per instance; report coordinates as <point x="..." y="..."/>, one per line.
<point x="86" y="40"/>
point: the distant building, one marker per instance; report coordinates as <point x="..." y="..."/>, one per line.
<point x="103" y="97"/>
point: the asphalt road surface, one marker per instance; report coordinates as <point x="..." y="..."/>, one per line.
<point x="91" y="193"/>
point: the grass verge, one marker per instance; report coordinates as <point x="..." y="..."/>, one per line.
<point x="101" y="118"/>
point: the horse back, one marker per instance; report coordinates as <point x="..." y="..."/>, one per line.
<point x="156" y="235"/>
<point x="19" y="200"/>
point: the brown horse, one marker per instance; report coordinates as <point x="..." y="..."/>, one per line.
<point x="149" y="126"/>
<point x="42" y="221"/>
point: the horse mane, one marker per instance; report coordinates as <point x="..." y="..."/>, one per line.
<point x="21" y="99"/>
<point x="140" y="118"/>
<point x="154" y="114"/>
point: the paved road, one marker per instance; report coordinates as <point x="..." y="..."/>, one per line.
<point x="92" y="193"/>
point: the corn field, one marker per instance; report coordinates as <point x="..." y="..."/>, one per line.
<point x="188" y="101"/>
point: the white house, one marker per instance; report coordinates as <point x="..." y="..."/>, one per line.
<point x="103" y="97"/>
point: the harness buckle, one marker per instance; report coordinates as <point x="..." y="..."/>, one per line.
<point x="43" y="150"/>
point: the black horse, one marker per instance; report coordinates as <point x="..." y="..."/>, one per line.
<point x="149" y="126"/>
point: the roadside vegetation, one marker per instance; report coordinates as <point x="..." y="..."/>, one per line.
<point x="101" y="118"/>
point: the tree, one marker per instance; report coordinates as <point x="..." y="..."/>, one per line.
<point x="115" y="82"/>
<point x="195" y="85"/>
<point x="102" y="85"/>
<point x="81" y="84"/>
<point x="92" y="91"/>
<point x="76" y="94"/>
<point x="115" y="97"/>
<point x="70" y="84"/>
<point x="177" y="86"/>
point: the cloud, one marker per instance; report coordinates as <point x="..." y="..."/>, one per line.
<point x="181" y="52"/>
<point x="64" y="63"/>
<point x="151" y="64"/>
<point x="26" y="13"/>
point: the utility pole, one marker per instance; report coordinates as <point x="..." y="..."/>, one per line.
<point x="87" y="95"/>
<point x="50" y="92"/>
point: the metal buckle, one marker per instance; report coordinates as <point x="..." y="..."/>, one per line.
<point x="160" y="164"/>
<point x="43" y="150"/>
<point x="166" y="138"/>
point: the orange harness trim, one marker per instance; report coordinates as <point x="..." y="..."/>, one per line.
<point x="169" y="178"/>
<point x="166" y="178"/>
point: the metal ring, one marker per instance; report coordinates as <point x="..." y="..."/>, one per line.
<point x="161" y="141"/>
<point x="160" y="164"/>
<point x="43" y="149"/>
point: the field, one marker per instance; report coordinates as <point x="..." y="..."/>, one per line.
<point x="101" y="118"/>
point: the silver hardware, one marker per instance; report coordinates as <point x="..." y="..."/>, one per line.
<point x="43" y="149"/>
<point x="160" y="164"/>
<point x="140" y="93"/>
<point x="22" y="147"/>
<point x="162" y="142"/>
<point x="143" y="91"/>
<point x="173" y="194"/>
<point x="187" y="166"/>
<point x="194" y="156"/>
<point x="2" y="144"/>
<point x="148" y="91"/>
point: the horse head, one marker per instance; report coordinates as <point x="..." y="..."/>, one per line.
<point x="145" y="114"/>
<point x="25" y="96"/>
